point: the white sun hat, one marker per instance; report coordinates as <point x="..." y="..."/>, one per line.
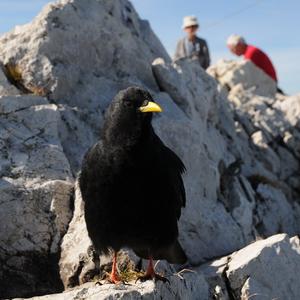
<point x="189" y="21"/>
<point x="235" y="39"/>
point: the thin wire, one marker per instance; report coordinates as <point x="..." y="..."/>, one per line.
<point x="237" y="12"/>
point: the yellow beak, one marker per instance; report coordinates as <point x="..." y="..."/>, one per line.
<point x="150" y="107"/>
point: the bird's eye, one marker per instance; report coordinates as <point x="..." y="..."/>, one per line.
<point x="128" y="103"/>
<point x="145" y="103"/>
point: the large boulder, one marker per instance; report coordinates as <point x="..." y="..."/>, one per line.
<point x="36" y="195"/>
<point x="80" y="54"/>
<point x="274" y="260"/>
<point x="231" y="73"/>
<point x="263" y="270"/>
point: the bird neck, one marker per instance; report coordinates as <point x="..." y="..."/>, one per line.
<point x="127" y="139"/>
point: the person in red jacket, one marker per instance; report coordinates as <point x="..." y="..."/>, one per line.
<point x="238" y="46"/>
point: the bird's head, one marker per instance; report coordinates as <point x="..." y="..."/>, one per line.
<point x="135" y="100"/>
<point x="130" y="114"/>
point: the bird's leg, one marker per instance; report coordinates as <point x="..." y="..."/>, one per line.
<point x="114" y="276"/>
<point x="150" y="273"/>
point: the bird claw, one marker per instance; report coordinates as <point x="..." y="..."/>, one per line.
<point x="182" y="271"/>
<point x="112" y="279"/>
<point x="154" y="277"/>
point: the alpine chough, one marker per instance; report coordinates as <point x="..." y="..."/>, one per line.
<point x="131" y="185"/>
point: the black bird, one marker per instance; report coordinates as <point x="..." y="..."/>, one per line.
<point x="131" y="185"/>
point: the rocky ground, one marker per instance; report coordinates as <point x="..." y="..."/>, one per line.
<point x="238" y="139"/>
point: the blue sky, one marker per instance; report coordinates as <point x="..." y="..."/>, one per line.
<point x="271" y="25"/>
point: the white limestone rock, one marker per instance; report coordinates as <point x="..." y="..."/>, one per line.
<point x="275" y="213"/>
<point x="266" y="269"/>
<point x="261" y="111"/>
<point x="271" y="123"/>
<point x="290" y="106"/>
<point x="270" y="159"/>
<point x="189" y="86"/>
<point x="231" y="73"/>
<point x="202" y="208"/>
<point x="36" y="192"/>
<point x="80" y="54"/>
<point x="77" y="259"/>
<point x="214" y="274"/>
<point x="191" y="286"/>
<point x="45" y="50"/>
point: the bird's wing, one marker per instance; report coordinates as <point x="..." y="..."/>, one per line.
<point x="89" y="163"/>
<point x="174" y="168"/>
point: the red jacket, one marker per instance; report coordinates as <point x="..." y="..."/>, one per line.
<point x="261" y="60"/>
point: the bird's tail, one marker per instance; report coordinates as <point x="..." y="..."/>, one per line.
<point x="174" y="254"/>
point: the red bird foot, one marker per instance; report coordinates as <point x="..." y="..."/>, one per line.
<point x="114" y="277"/>
<point x="150" y="274"/>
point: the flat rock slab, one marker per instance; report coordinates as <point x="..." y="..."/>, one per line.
<point x="192" y="286"/>
<point x="267" y="269"/>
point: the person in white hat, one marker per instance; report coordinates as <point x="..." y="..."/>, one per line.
<point x="191" y="46"/>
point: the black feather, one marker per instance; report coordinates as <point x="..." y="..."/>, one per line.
<point x="131" y="184"/>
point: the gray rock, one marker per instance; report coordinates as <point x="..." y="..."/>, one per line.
<point x="36" y="189"/>
<point x="266" y="269"/>
<point x="271" y="123"/>
<point x="231" y="73"/>
<point x="62" y="39"/>
<point x="274" y="214"/>
<point x="263" y="270"/>
<point x="271" y="161"/>
<point x="62" y="56"/>
<point x="290" y="106"/>
<point x="202" y="206"/>
<point x="189" y="86"/>
<point x="9" y="104"/>
<point x="187" y="286"/>
<point x="77" y="259"/>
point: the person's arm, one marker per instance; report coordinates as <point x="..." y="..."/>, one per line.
<point x="178" y="52"/>
<point x="206" y="55"/>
